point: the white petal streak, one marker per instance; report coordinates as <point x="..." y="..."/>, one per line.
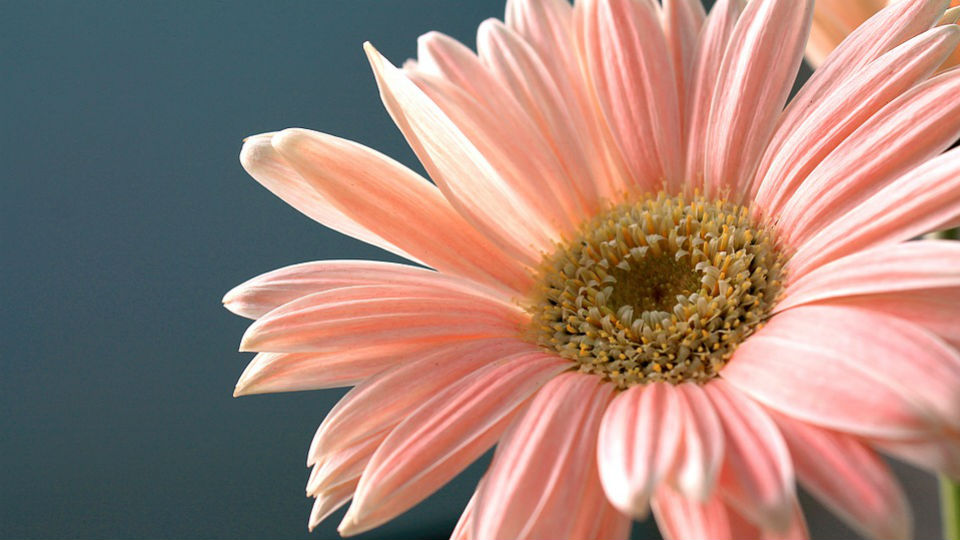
<point x="544" y="462"/>
<point x="465" y="176"/>
<point x="638" y="442"/>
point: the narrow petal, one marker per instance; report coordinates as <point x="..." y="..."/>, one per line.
<point x="374" y="315"/>
<point x="702" y="452"/>
<point x="682" y="20"/>
<point x="518" y="66"/>
<point x="468" y="180"/>
<point x="756" y="76"/>
<point x="499" y="127"/>
<point x="398" y="204"/>
<point x="381" y="402"/>
<point x="292" y="372"/>
<point x="629" y="64"/>
<point x="845" y="109"/>
<point x="924" y="199"/>
<point x="544" y="463"/>
<point x="937" y="455"/>
<point x="757" y="475"/>
<point x="266" y="292"/>
<point x="637" y="446"/>
<point x="849" y="478"/>
<point x="447" y="433"/>
<point x="890" y="27"/>
<point x="679" y="518"/>
<point x="927" y="266"/>
<point x="342" y="466"/>
<point x="265" y="164"/>
<point x="852" y="370"/>
<point x="915" y="127"/>
<point x="465" y="523"/>
<point x="710" y="49"/>
<point x="833" y="21"/>
<point x="329" y="501"/>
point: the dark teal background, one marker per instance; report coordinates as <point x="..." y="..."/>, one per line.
<point x="125" y="217"/>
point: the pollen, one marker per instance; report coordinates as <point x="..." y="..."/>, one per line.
<point x="663" y="289"/>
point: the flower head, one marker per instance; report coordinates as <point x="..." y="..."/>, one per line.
<point x="650" y="281"/>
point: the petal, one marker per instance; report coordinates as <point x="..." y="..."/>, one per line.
<point x="924" y="199"/>
<point x="845" y="109"/>
<point x="381" y="402"/>
<point x="266" y="292"/>
<point x="466" y="177"/>
<point x="329" y="501"/>
<point x="833" y="21"/>
<point x="938" y="455"/>
<point x="628" y="62"/>
<point x="849" y="478"/>
<point x="292" y="372"/>
<point x="342" y="466"/>
<point x="545" y="460"/>
<point x="637" y="446"/>
<point x="499" y="127"/>
<point x="904" y="269"/>
<point x="398" y="204"/>
<point x="757" y="475"/>
<point x="756" y="76"/>
<point x="702" y="452"/>
<point x="265" y="164"/>
<point x="682" y="20"/>
<point x="884" y="31"/>
<point x="712" y="44"/>
<point x="465" y="523"/>
<point x="447" y="433"/>
<point x="915" y="127"/>
<point x="374" y="315"/>
<point x="681" y="518"/>
<point x="518" y="66"/>
<point x="851" y="370"/>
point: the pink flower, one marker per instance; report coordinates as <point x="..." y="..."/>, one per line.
<point x="652" y="285"/>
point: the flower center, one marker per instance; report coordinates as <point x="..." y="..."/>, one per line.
<point x="663" y="289"/>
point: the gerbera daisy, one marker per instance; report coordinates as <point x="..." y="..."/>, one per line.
<point x="643" y="279"/>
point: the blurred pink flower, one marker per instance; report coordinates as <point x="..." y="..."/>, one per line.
<point x="650" y="284"/>
<point x="834" y="20"/>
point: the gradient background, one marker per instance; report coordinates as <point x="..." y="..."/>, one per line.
<point x="126" y="216"/>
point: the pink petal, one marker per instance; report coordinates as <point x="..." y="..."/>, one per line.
<point x="849" y="478"/>
<point x="846" y="108"/>
<point x="465" y="523"/>
<point x="710" y="48"/>
<point x="884" y="31"/>
<point x="924" y="199"/>
<point x="448" y="432"/>
<point x="701" y="455"/>
<point x="398" y="204"/>
<point x="545" y="460"/>
<point x="637" y="446"/>
<point x="756" y="75"/>
<point x="329" y="501"/>
<point x="499" y="126"/>
<point x="902" y="269"/>
<point x="518" y="66"/>
<point x="342" y="465"/>
<point x="679" y="518"/>
<point x="938" y="455"/>
<point x="265" y="164"/>
<point x="547" y="26"/>
<point x="757" y="476"/>
<point x="257" y="296"/>
<point x="375" y="315"/>
<point x="852" y="370"/>
<point x="682" y="20"/>
<point x="381" y="402"/>
<point x="627" y="59"/>
<point x="291" y="372"/>
<point x="466" y="177"/>
<point x="915" y="127"/>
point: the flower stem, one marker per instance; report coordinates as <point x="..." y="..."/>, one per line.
<point x="950" y="508"/>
